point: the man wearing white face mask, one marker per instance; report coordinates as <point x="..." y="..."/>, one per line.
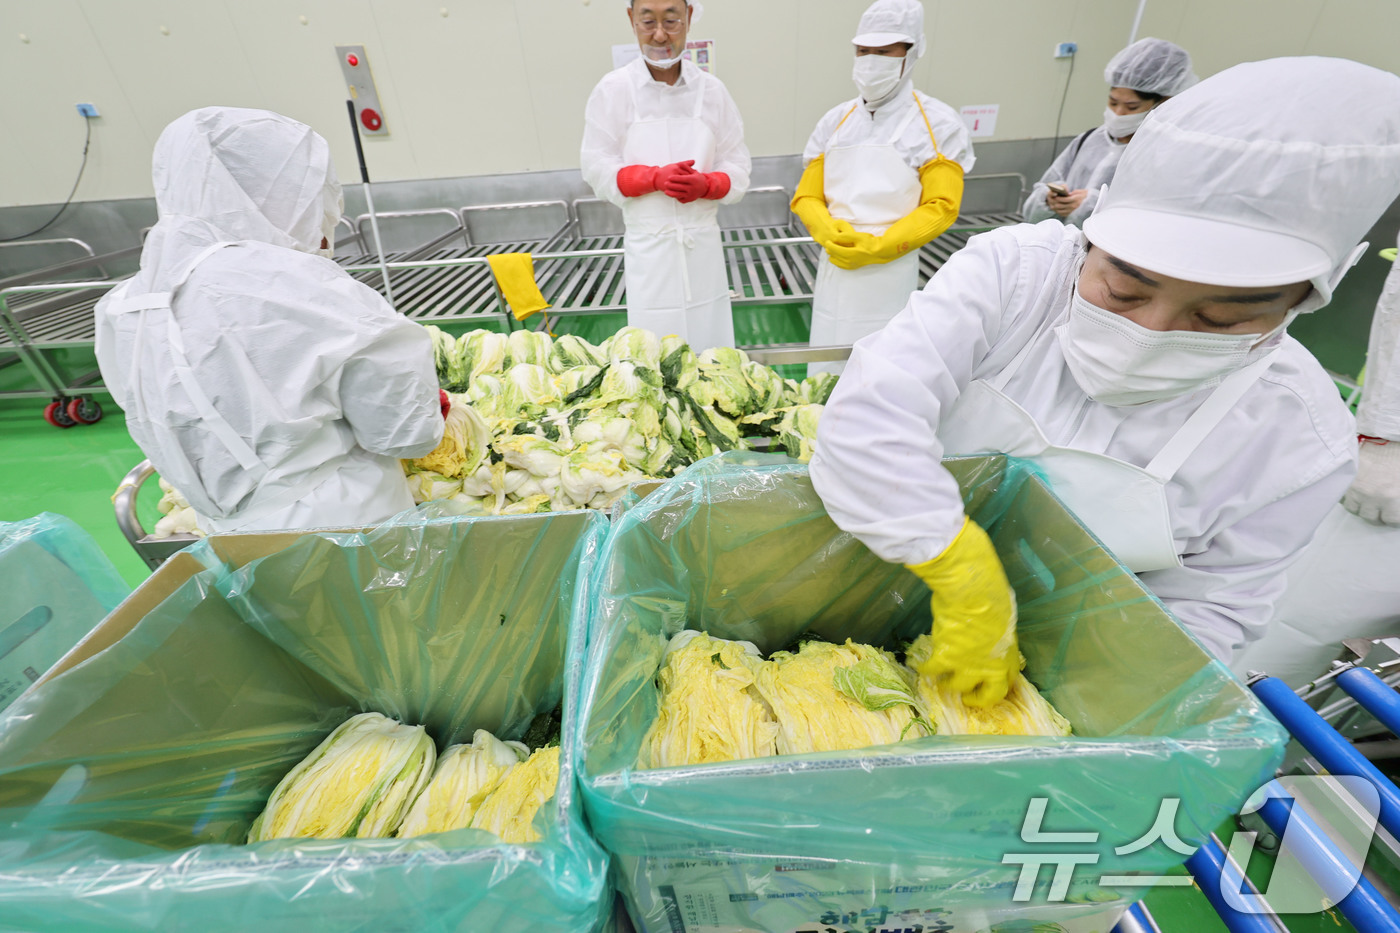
<point x="663" y="141"/>
<point x="262" y="381"/>
<point x="1142" y="364"/>
<point x="1139" y="78"/>
<point x="884" y="176"/>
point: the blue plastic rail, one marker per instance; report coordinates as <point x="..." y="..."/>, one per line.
<point x="1375" y="696"/>
<point x="1137" y="920"/>
<point x="1206" y="866"/>
<point x="1326" y="744"/>
<point x="1363" y="907"/>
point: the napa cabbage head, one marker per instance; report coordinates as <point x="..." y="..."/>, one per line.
<point x="635" y="345"/>
<point x="482" y="352"/>
<point x="571" y="351"/>
<point x="529" y="346"/>
<point x="596" y="473"/>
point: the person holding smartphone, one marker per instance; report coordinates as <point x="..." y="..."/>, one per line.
<point x="1139" y="78"/>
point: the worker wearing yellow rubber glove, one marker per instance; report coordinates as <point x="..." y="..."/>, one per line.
<point x="974" y="618"/>
<point x="1142" y="365"/>
<point x="884" y="176"/>
<point x="941" y="187"/>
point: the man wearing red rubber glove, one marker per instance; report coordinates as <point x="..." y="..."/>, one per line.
<point x="663" y="140"/>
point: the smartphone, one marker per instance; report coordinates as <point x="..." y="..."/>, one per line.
<point x="1059" y="189"/>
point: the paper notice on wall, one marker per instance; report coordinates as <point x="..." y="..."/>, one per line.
<point x="980" y="119"/>
<point x="700" y="52"/>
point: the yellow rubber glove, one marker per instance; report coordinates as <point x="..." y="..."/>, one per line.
<point x="809" y="204"/>
<point x="942" y="183"/>
<point x="974" y="618"/>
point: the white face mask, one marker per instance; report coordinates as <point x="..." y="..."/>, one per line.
<point x="1125" y="125"/>
<point x="1119" y="363"/>
<point x="877" y="75"/>
<point x="660" y="63"/>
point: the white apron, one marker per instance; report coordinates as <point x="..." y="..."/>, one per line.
<point x="1344" y="586"/>
<point x="1124" y="505"/>
<point x="294" y="506"/>
<point x="675" y="273"/>
<point x="870" y="186"/>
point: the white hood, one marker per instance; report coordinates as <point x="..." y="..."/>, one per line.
<point x="230" y="174"/>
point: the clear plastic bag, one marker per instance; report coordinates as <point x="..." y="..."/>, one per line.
<point x="57" y="585"/>
<point x="128" y="782"/>
<point x="740" y="546"/>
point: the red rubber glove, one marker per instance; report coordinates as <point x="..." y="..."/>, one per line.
<point x="444" y="403"/>
<point x="719" y="185"/>
<point x="636" y="180"/>
<point x="665" y="173"/>
<point x="687" y="188"/>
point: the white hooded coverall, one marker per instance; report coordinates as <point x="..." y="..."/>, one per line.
<point x="272" y="389"/>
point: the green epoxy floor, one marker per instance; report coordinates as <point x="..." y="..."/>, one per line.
<point x="75" y="472"/>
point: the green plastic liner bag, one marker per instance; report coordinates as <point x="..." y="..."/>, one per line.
<point x="57" y="584"/>
<point x="932" y="833"/>
<point x="129" y="782"/>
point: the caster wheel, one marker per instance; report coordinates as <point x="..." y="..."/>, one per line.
<point x="56" y="414"/>
<point x="84" y="411"/>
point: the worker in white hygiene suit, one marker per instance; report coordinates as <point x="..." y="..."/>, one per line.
<point x="663" y="140"/>
<point x="1346" y="584"/>
<point x="1142" y="364"/>
<point x="1140" y="77"/>
<point x="884" y="176"/>
<point x="262" y="381"/>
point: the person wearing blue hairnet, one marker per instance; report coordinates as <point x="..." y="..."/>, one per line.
<point x="1139" y="78"/>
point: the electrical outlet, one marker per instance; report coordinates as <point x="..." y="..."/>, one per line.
<point x="88" y="110"/>
<point x="1066" y="49"/>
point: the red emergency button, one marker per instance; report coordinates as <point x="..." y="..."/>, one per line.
<point x="370" y="119"/>
<point x="352" y="60"/>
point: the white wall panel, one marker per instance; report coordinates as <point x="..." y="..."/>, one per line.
<point x="499" y="86"/>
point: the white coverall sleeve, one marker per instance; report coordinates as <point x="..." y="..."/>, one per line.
<point x="389" y="393"/>
<point x="1226" y="594"/>
<point x="821" y="134"/>
<point x="1379" y="412"/>
<point x="731" y="154"/>
<point x="1036" y="209"/>
<point x="604" y="132"/>
<point x="878" y="464"/>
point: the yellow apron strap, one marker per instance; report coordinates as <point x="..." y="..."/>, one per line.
<point x="515" y="276"/>
<point x="931" y="137"/>
<point x="842" y="123"/>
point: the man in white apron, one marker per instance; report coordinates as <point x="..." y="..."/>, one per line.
<point x="884" y="176"/>
<point x="1143" y="364"/>
<point x="663" y="140"/>
<point x="1347" y="583"/>
<point x="262" y="381"/>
